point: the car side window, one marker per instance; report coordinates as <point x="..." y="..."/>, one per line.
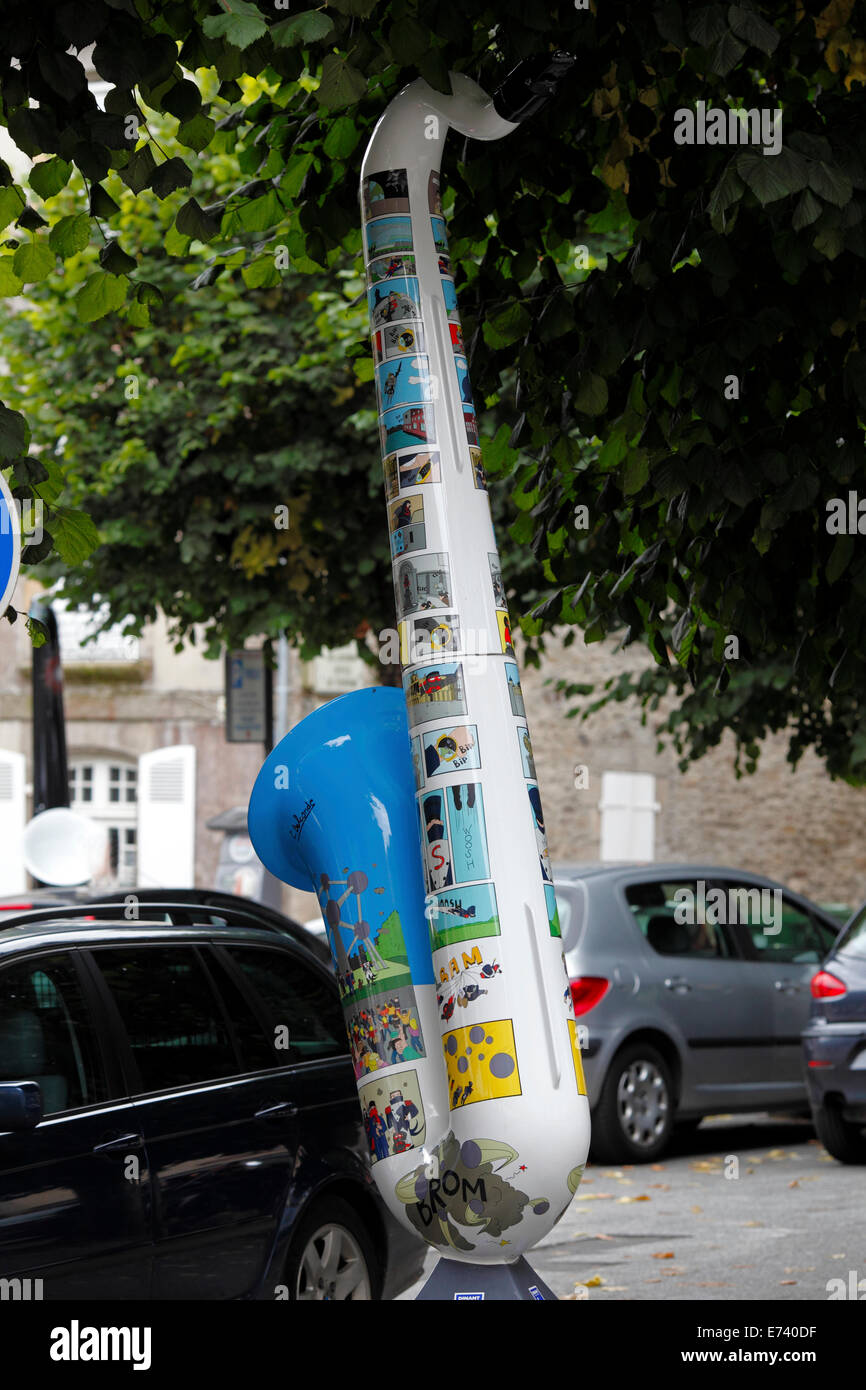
<point x="676" y="919"/>
<point x="780" y="932"/>
<point x="176" y="1028"/>
<point x="296" y="1000"/>
<point x="47" y="1033"/>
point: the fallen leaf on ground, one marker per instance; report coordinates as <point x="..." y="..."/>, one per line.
<point x="793" y="1183"/>
<point x="601" y="1236"/>
<point x="652" y="1281"/>
<point x="697" y="1209"/>
<point x="776" y="1153"/>
<point x="715" y="1283"/>
<point x="787" y="1281"/>
<point x="657" y="1167"/>
<point x="592" y="1283"/>
<point x="663" y="1254"/>
<point x="592" y="1196"/>
<point x="642" y="1198"/>
<point x="662" y="1186"/>
<point x="753" y="1223"/>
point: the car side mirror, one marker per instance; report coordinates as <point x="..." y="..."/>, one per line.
<point x="20" y="1105"/>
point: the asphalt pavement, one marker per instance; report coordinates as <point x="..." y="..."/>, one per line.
<point x="745" y="1207"/>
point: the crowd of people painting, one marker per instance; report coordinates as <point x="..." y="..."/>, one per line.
<point x="382" y="1034"/>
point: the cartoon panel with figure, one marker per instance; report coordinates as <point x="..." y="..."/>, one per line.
<point x="540" y="836"/>
<point x="406" y="524"/>
<point x="512" y="676"/>
<point x="454" y="749"/>
<point x="435" y="692"/>
<point x="389" y="235"/>
<point x="465" y="976"/>
<point x="429" y="637"/>
<point x="397" y="340"/>
<point x="387" y="267"/>
<point x="482" y="1062"/>
<point x="392" y="301"/>
<point x="406" y="382"/>
<point x="468" y="832"/>
<point x="406" y="426"/>
<point x="422" y="584"/>
<point x="385" y="192"/>
<point x="384" y="1031"/>
<point x="437" y="845"/>
<point x="393" y="1114"/>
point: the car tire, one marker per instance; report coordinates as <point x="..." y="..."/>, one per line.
<point x="332" y="1256"/>
<point x="841" y="1138"/>
<point x="633" y="1120"/>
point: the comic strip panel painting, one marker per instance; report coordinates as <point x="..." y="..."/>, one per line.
<point x="440" y="237"/>
<point x="387" y="267"/>
<point x="470" y="424"/>
<point x="525" y="746"/>
<point x="406" y="382"/>
<point x="576" y="1058"/>
<point x="514" y="690"/>
<point x="456" y="337"/>
<point x="398" y="340"/>
<point x="409" y="470"/>
<point x="417" y="761"/>
<point x="504" y="632"/>
<point x="393" y="1114"/>
<point x="478" y="469"/>
<point x="465" y="976"/>
<point x="552" y="910"/>
<point x="435" y="692"/>
<point x="462" y="914"/>
<point x="434" y="193"/>
<point x="454" y="749"/>
<point x="468" y="832"/>
<point x="406" y="524"/>
<point x="463" y="381"/>
<point x="482" y="1062"/>
<point x="408" y="425"/>
<point x="540" y="836"/>
<point x="437" y="847"/>
<point x="366" y="942"/>
<point x="426" y="637"/>
<point x="422" y="584"/>
<point x="496" y="580"/>
<point x="389" y="235"/>
<point x="393" y="301"/>
<point x="384" y="1031"/>
<point x="450" y="295"/>
<point x="385" y="192"/>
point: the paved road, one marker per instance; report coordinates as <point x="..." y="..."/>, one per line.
<point x="789" y="1222"/>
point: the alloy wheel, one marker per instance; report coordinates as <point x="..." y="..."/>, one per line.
<point x="332" y="1267"/>
<point x="642" y="1103"/>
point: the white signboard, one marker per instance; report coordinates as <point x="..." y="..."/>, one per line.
<point x="247" y="691"/>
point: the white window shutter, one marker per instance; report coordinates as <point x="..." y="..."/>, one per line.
<point x="166" y="818"/>
<point x="628" y="811"/>
<point x="13" y="811"/>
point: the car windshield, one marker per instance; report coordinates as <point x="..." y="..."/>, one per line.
<point x="853" y="943"/>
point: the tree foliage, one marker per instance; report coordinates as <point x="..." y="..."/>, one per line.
<point x="706" y="506"/>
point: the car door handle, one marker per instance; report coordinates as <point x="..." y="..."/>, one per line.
<point x="121" y="1145"/>
<point x="284" y="1111"/>
<point x="677" y="982"/>
<point x="786" y="986"/>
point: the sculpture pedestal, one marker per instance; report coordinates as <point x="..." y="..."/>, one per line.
<point x="455" y="1282"/>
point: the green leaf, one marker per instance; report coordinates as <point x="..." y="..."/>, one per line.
<point x="342" y="138"/>
<point x="112" y="257"/>
<point x="14" y="433"/>
<point x="341" y="84"/>
<point x="755" y="30"/>
<point x="33" y="261"/>
<point x="70" y="235"/>
<point x="139" y="168"/>
<point x="409" y="41"/>
<point x="10" y="283"/>
<point x="99" y="295"/>
<point x="728" y="190"/>
<point x="636" y="471"/>
<point x="241" y="26"/>
<point x="193" y="221"/>
<point x="307" y="27"/>
<point x="75" y="536"/>
<point x="591" y="395"/>
<point x="296" y="172"/>
<point x="49" y="176"/>
<point x="706" y="24"/>
<point x="12" y="202"/>
<point x="253" y="215"/>
<point x="183" y="100"/>
<point x="101" y="202"/>
<point x="807" y="209"/>
<point x="507" y="326"/>
<point x="260" y="273"/>
<point x="830" y="183"/>
<point x="726" y="53"/>
<point x="840" y="558"/>
<point x="769" y="177"/>
<point x="197" y="133"/>
<point x="170" y="175"/>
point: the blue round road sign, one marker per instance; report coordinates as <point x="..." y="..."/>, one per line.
<point x="10" y="545"/>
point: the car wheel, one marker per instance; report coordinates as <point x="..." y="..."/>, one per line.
<point x="841" y="1138"/>
<point x="633" y="1119"/>
<point x="332" y="1256"/>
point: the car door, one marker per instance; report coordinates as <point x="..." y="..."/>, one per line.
<point x="694" y="980"/>
<point x="219" y="1134"/>
<point x="74" y="1191"/>
<point x="784" y="944"/>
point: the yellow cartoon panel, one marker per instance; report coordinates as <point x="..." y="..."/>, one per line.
<point x="481" y="1062"/>
<point x="576" y="1057"/>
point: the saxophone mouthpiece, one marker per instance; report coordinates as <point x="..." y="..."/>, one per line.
<point x="531" y="84"/>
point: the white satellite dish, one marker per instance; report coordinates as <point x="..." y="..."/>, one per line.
<point x="63" y="848"/>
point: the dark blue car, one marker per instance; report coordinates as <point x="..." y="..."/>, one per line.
<point x="179" y="1120"/>
<point x="834" y="1043"/>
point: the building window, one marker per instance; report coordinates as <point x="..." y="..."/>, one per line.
<point x="628" y="810"/>
<point x="106" y="789"/>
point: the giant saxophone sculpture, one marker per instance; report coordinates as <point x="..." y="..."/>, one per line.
<point x="449" y="961"/>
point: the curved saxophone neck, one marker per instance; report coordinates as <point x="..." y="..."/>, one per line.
<point x="415" y="124"/>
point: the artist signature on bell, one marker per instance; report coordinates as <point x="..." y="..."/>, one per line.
<point x="298" y="822"/>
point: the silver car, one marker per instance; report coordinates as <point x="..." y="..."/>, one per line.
<point x="691" y="986"/>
